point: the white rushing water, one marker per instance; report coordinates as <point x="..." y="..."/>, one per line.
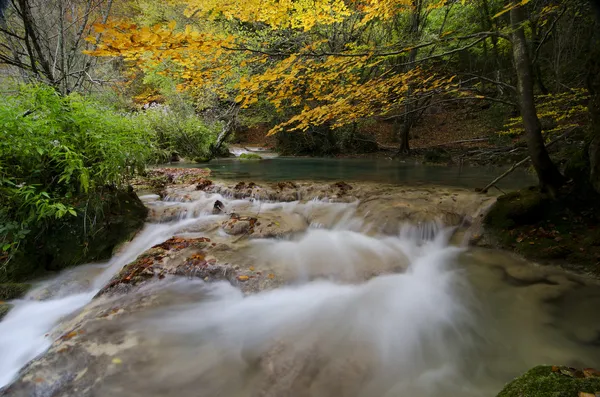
<point x="412" y="323"/>
<point x="23" y="332"/>
<point x="360" y="314"/>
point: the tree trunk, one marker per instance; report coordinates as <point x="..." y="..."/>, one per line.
<point x="593" y="82"/>
<point x="414" y="32"/>
<point x="549" y="177"/>
<point x="228" y="128"/>
<point x="405" y="135"/>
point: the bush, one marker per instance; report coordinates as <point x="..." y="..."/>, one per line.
<point x="53" y="152"/>
<point x="250" y="156"/>
<point x="178" y="133"/>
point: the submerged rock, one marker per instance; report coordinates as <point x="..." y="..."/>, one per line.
<point x="553" y="381"/>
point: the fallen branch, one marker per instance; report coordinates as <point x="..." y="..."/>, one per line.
<point x="511" y="169"/>
<point x="518" y="164"/>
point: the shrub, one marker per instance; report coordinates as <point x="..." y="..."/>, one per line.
<point x="55" y="150"/>
<point x="178" y="133"/>
<point x="250" y="156"/>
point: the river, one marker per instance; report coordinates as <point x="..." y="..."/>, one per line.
<point x="359" y="310"/>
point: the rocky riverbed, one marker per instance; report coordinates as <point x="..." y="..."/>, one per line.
<point x="300" y="289"/>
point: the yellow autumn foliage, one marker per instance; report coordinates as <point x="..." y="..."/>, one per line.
<point x="331" y="89"/>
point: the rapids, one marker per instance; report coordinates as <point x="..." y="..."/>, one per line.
<point x="358" y="312"/>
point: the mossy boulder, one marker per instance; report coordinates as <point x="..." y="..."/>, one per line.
<point x="521" y="207"/>
<point x="250" y="156"/>
<point x="9" y="291"/>
<point x="560" y="229"/>
<point x="4" y="309"/>
<point x="548" y="381"/>
<point x="104" y="220"/>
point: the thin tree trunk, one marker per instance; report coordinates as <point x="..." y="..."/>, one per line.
<point x="414" y="33"/>
<point x="549" y="177"/>
<point x="593" y="83"/>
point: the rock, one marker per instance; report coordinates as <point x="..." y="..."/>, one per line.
<point x="71" y="240"/>
<point x="4" y="309"/>
<point x="237" y="225"/>
<point x="548" y="381"/>
<point x="9" y="291"/>
<point x="218" y="208"/>
<point x="203" y="184"/>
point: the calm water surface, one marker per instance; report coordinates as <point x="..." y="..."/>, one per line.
<point x="373" y="170"/>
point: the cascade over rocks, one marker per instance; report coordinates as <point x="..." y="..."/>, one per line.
<point x="232" y="245"/>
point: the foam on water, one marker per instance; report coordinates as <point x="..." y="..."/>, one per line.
<point x="359" y="314"/>
<point x="23" y="332"/>
<point x="402" y="332"/>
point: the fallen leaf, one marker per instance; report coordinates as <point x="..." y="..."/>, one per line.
<point x="38" y="380"/>
<point x="243" y="278"/>
<point x="70" y="335"/>
<point x="251" y="268"/>
<point x="117" y="361"/>
<point x="584" y="394"/>
<point x="271" y="276"/>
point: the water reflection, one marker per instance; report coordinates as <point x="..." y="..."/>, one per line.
<point x="374" y="170"/>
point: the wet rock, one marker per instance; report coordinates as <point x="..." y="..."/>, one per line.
<point x="4" y="309"/>
<point x="237" y="225"/>
<point x="158" y="262"/>
<point x="203" y="184"/>
<point x="9" y="291"/>
<point x="342" y="187"/>
<point x="551" y="381"/>
<point x="73" y="240"/>
<point x="218" y="208"/>
<point x="286" y="185"/>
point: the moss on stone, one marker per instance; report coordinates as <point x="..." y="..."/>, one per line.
<point x="561" y="229"/>
<point x="520" y="207"/>
<point x="104" y="220"/>
<point x="4" y="309"/>
<point x="541" y="381"/>
<point x="10" y="291"/>
<point x="250" y="156"/>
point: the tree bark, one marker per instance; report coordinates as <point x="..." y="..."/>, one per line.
<point x="593" y="83"/>
<point x="414" y="32"/>
<point x="549" y="177"/>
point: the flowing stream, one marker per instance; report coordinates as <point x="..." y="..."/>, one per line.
<point x="361" y="313"/>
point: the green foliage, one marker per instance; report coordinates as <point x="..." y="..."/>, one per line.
<point x="542" y="381"/>
<point x="10" y="291"/>
<point x="250" y="156"/>
<point x="180" y="133"/>
<point x="54" y="150"/>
